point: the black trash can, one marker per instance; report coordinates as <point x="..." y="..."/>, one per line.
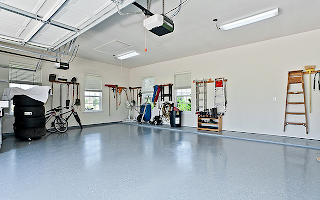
<point x="175" y="118"/>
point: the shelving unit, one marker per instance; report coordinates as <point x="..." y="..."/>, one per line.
<point x="210" y="124"/>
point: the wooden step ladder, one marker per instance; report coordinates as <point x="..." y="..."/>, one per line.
<point x="296" y="77"/>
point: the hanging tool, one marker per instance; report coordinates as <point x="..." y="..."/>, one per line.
<point x="68" y="100"/>
<point x="140" y="95"/>
<point x="52" y="96"/>
<point x="77" y="99"/>
<point x="116" y="97"/>
<point x="109" y="101"/>
<point x="114" y="89"/>
<point x="314" y="81"/>
<point x="309" y="69"/>
<point x="119" y="91"/>
<point x="72" y="94"/>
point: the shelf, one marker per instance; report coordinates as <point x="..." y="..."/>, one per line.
<point x="208" y="129"/>
<point x="208" y="123"/>
<point x="64" y="82"/>
<point x="209" y="126"/>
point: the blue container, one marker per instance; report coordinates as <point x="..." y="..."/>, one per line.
<point x="147" y="115"/>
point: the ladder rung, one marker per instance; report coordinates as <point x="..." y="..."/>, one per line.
<point x="295" y="102"/>
<point x="295" y="113"/>
<point x="294" y="123"/>
<point x="295" y="92"/>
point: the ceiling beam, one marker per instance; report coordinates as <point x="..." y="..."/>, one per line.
<point x="45" y="20"/>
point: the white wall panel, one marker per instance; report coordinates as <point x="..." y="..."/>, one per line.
<point x="256" y="73"/>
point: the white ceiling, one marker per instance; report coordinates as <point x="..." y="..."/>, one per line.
<point x="195" y="32"/>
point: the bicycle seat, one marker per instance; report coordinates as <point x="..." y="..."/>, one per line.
<point x="55" y="109"/>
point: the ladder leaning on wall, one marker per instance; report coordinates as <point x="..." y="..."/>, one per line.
<point x="201" y="94"/>
<point x="296" y="77"/>
<point x="220" y="95"/>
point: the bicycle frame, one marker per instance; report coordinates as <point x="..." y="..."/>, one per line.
<point x="69" y="111"/>
<point x="49" y="115"/>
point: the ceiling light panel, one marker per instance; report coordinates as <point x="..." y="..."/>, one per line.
<point x="250" y="20"/>
<point x="128" y="55"/>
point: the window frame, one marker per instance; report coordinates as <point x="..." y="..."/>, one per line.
<point x="93" y="96"/>
<point x="146" y="93"/>
<point x="183" y="87"/>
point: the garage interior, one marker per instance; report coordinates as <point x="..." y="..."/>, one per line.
<point x="256" y="139"/>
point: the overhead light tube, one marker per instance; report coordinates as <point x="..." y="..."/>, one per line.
<point x="127" y="55"/>
<point x="250" y="20"/>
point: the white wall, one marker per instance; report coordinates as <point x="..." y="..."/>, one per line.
<point x="110" y="75"/>
<point x="256" y="73"/>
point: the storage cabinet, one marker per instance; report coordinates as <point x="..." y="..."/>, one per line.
<point x="210" y="124"/>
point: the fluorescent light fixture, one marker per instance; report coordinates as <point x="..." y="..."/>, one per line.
<point x="250" y="20"/>
<point x="127" y="55"/>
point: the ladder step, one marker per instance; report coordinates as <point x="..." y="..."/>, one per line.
<point x="295" y="102"/>
<point x="295" y="113"/>
<point x="295" y="92"/>
<point x="294" y="123"/>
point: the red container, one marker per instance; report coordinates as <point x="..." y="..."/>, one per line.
<point x="219" y="83"/>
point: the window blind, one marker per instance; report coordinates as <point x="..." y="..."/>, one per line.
<point x="93" y="82"/>
<point x="182" y="81"/>
<point x="24" y="74"/>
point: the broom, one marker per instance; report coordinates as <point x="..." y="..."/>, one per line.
<point x="310" y="68"/>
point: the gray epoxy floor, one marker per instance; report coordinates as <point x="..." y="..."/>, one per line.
<point x="131" y="162"/>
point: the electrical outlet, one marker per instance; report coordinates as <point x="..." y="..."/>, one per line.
<point x="274" y="98"/>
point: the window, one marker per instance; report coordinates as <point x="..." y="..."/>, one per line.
<point x="93" y="92"/>
<point x="147" y="88"/>
<point x="23" y="76"/>
<point x="182" y="84"/>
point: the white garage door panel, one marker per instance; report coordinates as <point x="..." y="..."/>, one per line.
<point x="71" y="17"/>
<point x="12" y="18"/>
<point x="9" y="30"/>
<point x="94" y="7"/>
<point x="54" y="31"/>
<point x="45" y="39"/>
<point x="28" y="5"/>
<point x="49" y="35"/>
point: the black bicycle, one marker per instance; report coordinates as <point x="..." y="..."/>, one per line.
<point x="60" y="123"/>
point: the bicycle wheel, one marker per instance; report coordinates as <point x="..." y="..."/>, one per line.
<point x="50" y="124"/>
<point x="76" y="116"/>
<point x="61" y="124"/>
